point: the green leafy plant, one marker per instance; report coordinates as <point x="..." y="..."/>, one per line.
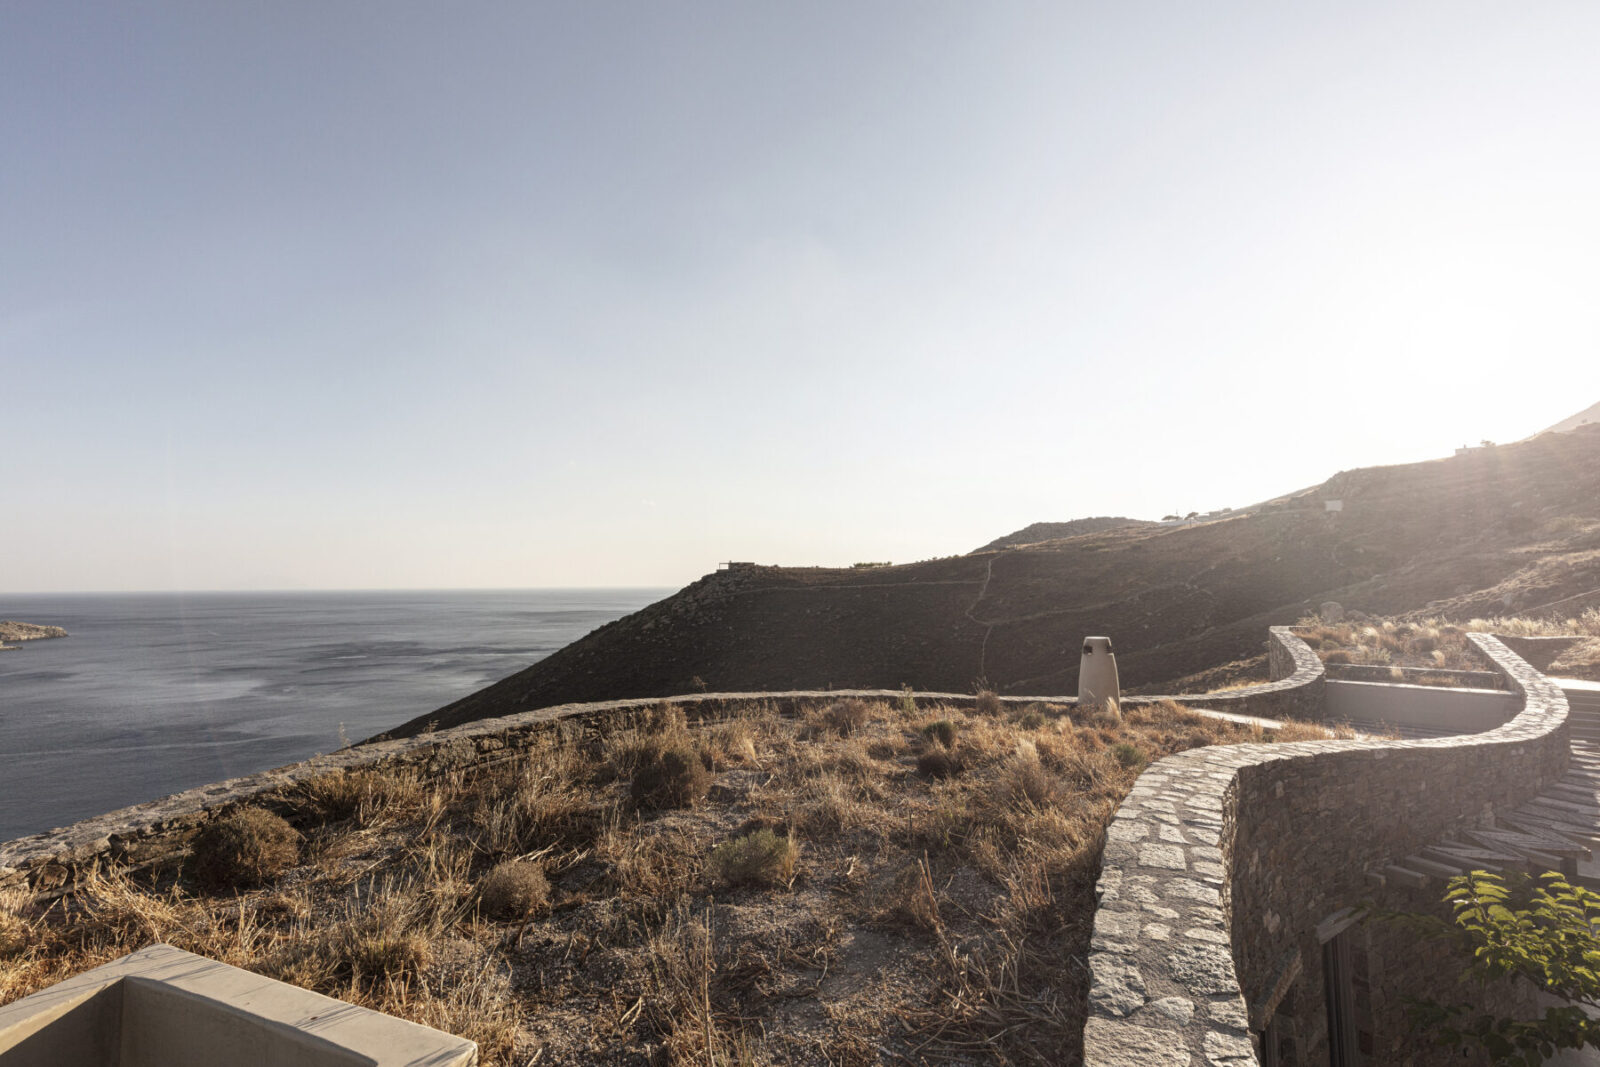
<point x="1542" y="930"/>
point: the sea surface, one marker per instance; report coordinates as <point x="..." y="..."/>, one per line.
<point x="153" y="693"/>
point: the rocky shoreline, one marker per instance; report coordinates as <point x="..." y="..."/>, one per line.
<point x="25" y="631"/>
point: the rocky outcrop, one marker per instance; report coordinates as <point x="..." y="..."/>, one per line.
<point x="26" y="631"/>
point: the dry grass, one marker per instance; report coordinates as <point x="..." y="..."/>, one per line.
<point x="1582" y="660"/>
<point x="1434" y="642"/>
<point x="536" y="908"/>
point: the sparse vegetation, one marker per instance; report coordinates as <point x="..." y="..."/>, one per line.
<point x="515" y="889"/>
<point x="1434" y="643"/>
<point x="536" y="907"/>
<point x="669" y="774"/>
<point x="244" y="849"/>
<point x="760" y="858"/>
<point x="845" y="717"/>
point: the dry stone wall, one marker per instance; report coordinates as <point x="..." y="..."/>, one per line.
<point x="1227" y="868"/>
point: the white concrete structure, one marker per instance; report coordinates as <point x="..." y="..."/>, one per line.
<point x="1097" y="675"/>
<point x="162" y="1007"/>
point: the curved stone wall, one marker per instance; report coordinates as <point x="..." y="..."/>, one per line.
<point x="1223" y="863"/>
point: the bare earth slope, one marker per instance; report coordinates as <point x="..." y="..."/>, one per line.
<point x="1498" y="529"/>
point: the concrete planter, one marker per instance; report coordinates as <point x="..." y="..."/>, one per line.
<point x="162" y="1006"/>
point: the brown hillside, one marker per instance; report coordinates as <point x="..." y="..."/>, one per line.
<point x="1036" y="532"/>
<point x="1495" y="530"/>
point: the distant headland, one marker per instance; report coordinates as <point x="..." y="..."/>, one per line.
<point x="25" y="631"/>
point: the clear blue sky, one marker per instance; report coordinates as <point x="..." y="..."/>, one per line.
<point x="361" y="295"/>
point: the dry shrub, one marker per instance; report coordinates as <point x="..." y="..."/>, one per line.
<point x="246" y="848"/>
<point x="987" y="702"/>
<point x="940" y="763"/>
<point x="669" y="774"/>
<point x="845" y="717"/>
<point x="514" y="890"/>
<point x="1025" y="782"/>
<point x="666" y="718"/>
<point x="1105" y="716"/>
<point x="731" y="742"/>
<point x="15" y="934"/>
<point x="366" y="795"/>
<point x="1032" y="717"/>
<point x="757" y="858"/>
<point x="682" y="956"/>
<point x="912" y="898"/>
<point x="1338" y="656"/>
<point x="383" y="940"/>
<point x="658" y="865"/>
<point x="542" y="804"/>
<point x="829" y="804"/>
<point x="1299" y="731"/>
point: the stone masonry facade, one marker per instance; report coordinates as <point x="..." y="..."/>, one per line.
<point x="1228" y="869"/>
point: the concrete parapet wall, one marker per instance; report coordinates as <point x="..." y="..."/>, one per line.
<point x="1456" y="710"/>
<point x="1223" y="863"/>
<point x="1374" y="672"/>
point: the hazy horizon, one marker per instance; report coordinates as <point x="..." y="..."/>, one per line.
<point x="338" y="299"/>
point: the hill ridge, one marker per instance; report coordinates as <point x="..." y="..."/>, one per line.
<point x="1487" y="532"/>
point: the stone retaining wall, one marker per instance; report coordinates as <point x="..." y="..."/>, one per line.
<point x="149" y="833"/>
<point x="1223" y="863"/>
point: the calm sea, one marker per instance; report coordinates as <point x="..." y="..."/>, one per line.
<point x="154" y="693"/>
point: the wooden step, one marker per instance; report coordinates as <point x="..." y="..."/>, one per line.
<point x="1405" y="876"/>
<point x="1536" y="823"/>
<point x="1434" y="868"/>
<point x="1474" y="859"/>
<point x="1522" y="843"/>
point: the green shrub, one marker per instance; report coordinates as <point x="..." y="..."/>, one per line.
<point x="243" y="849"/>
<point x="1127" y="755"/>
<point x="669" y="774"/>
<point x="1515" y="930"/>
<point x="514" y="890"/>
<point x="942" y="732"/>
<point x="908" y="701"/>
<point x="757" y="858"/>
